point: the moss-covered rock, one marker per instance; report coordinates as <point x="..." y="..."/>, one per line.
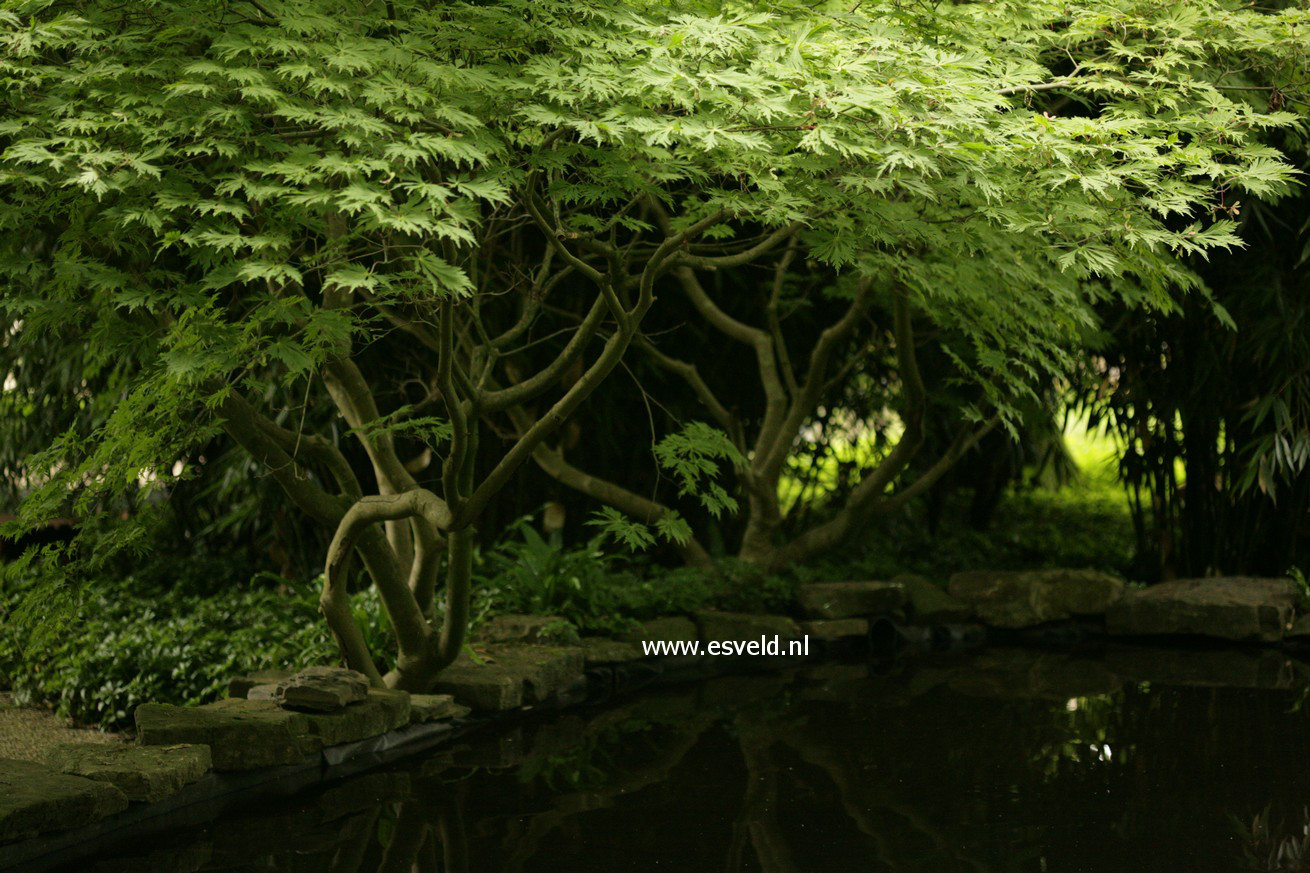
<point x="241" y="734"/>
<point x="381" y="711"/>
<point x="425" y="708"/>
<point x="601" y="650"/>
<point x="850" y="599"/>
<point x="143" y="773"/>
<point x="528" y="629"/>
<point x="928" y="602"/>
<point x="672" y="628"/>
<point x="1231" y="608"/>
<point x="836" y="629"/>
<point x="35" y="799"/>
<point x="1006" y="599"/>
<point x="240" y="686"/>
<point x="510" y="676"/>
<point x="745" y="627"/>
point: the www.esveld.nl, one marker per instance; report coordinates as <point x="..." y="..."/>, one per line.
<point x="765" y="645"/>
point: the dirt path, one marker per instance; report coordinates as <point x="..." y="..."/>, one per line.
<point x="28" y="733"/>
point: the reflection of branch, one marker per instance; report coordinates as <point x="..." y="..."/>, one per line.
<point x="407" y="839"/>
<point x="760" y="802"/>
<point x="857" y="799"/>
<point x="566" y="806"/>
<point x="350" y="857"/>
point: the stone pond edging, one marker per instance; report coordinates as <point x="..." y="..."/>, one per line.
<point x="277" y="729"/>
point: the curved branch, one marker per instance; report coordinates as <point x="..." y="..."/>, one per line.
<point x="402" y="608"/>
<point x="811" y="391"/>
<point x="496" y="401"/>
<point x="315" y="447"/>
<point x="692" y="377"/>
<point x="240" y="421"/>
<point x="737" y="259"/>
<point x="963" y="441"/>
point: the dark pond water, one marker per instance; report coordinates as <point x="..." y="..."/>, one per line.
<point x="1005" y="760"/>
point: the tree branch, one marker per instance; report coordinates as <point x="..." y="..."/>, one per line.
<point x="702" y="262"/>
<point x="403" y="610"/>
<point x="647" y="511"/>
<point x="526" y="389"/>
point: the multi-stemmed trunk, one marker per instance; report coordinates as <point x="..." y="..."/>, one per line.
<point x="791" y="398"/>
<point x="401" y="533"/>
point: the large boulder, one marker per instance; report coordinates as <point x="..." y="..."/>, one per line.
<point x="35" y="799"/>
<point x="321" y="689"/>
<point x="1007" y="599"/>
<point x="928" y="602"/>
<point x="1231" y="608"/>
<point x="241" y="734"/>
<point x="850" y="599"/>
<point x="144" y="773"/>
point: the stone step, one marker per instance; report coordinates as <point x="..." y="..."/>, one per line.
<point x="143" y="773"/>
<point x="35" y="799"/>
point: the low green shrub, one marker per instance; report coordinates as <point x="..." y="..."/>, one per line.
<point x="1085" y="524"/>
<point x="600" y="592"/>
<point x="134" y="644"/>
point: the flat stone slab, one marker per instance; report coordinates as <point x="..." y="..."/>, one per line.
<point x="322" y="689"/>
<point x="511" y="676"/>
<point x="425" y="708"/>
<point x="850" y="599"/>
<point x="142" y="773"/>
<point x="929" y="603"/>
<point x="1230" y="607"/>
<point x="34" y="799"/>
<point x="240" y="686"/>
<point x="531" y="629"/>
<point x="241" y="734"/>
<point x="545" y="670"/>
<point x="746" y="627"/>
<point x="600" y="650"/>
<point x="834" y="630"/>
<point x="673" y="627"/>
<point x="381" y="711"/>
<point x="1022" y="599"/>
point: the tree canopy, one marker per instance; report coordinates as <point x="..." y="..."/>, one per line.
<point x="449" y="223"/>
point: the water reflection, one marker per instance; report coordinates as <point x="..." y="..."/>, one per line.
<point x="1006" y="760"/>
